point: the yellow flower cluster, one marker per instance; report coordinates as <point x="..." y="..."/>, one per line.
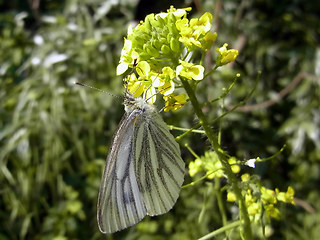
<point x="157" y="51"/>
<point x="259" y="199"/>
<point x="148" y="81"/>
<point x="196" y="33"/>
<point x="211" y="165"/>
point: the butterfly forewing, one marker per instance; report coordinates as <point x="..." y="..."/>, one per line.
<point x="144" y="171"/>
<point x="120" y="203"/>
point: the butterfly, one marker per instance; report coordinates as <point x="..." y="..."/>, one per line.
<point x="144" y="170"/>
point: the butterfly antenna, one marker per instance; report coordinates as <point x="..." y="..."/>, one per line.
<point x="145" y="92"/>
<point x="127" y="89"/>
<point x="100" y="90"/>
<point x="155" y="93"/>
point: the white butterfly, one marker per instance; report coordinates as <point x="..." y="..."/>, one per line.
<point x="144" y="170"/>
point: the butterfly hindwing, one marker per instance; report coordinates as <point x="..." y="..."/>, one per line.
<point x="159" y="167"/>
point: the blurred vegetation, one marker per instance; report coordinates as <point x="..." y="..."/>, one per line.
<point x="54" y="135"/>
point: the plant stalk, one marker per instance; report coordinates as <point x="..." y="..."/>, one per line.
<point x="246" y="232"/>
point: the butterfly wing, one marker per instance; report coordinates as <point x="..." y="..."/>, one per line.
<point x="159" y="166"/>
<point x="120" y="203"/>
<point x="143" y="174"/>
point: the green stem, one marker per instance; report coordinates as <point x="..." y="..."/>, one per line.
<point x="191" y="151"/>
<point x="224" y="94"/>
<point x="172" y="127"/>
<point x="217" y="189"/>
<point x="221" y="230"/>
<point x="246" y="232"/>
<point x="210" y="72"/>
<point x="202" y="178"/>
<point x="187" y="132"/>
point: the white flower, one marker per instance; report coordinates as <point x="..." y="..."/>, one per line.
<point x="38" y="39"/>
<point x="251" y="162"/>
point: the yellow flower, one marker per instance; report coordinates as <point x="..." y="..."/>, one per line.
<point x="249" y="198"/>
<point x="195" y="167"/>
<point x="216" y="167"/>
<point x="254" y="208"/>
<point x="135" y="86"/>
<point x="201" y="25"/>
<point x="164" y="81"/>
<point x="176" y="12"/>
<point x="208" y="40"/>
<point x="196" y="33"/>
<point x="272" y="211"/>
<point x="286" y="197"/>
<point x="245" y="177"/>
<point x="187" y="34"/>
<point x="143" y="84"/>
<point x="167" y="88"/>
<point x="235" y="168"/>
<point x="226" y="56"/>
<point x="211" y="165"/>
<point x="253" y="205"/>
<point x="183" y="25"/>
<point x="167" y="71"/>
<point x="268" y="196"/>
<point x="231" y="197"/>
<point x="143" y="69"/>
<point x="174" y="102"/>
<point x="190" y="71"/>
<point x="128" y="57"/>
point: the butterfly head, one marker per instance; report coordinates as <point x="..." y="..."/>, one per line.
<point x="131" y="103"/>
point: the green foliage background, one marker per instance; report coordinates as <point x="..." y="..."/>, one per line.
<point x="54" y="136"/>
